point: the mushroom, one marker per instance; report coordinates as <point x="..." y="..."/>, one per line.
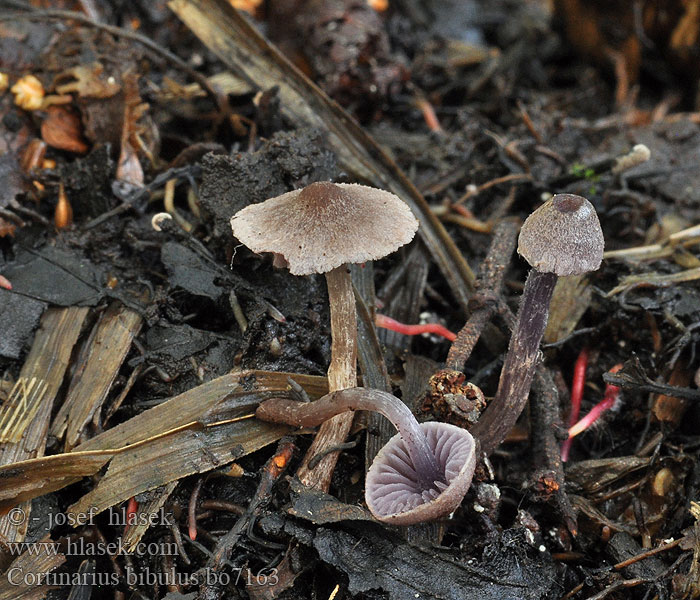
<point x="562" y="237"/>
<point x="320" y="229"/>
<point x="421" y="474"/>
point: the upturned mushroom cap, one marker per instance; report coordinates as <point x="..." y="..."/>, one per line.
<point x="563" y="236"/>
<point x="391" y="491"/>
<point x="325" y="225"/>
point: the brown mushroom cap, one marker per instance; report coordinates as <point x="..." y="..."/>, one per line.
<point x="325" y="225"/>
<point x="563" y="236"/>
<point x="391" y="489"/>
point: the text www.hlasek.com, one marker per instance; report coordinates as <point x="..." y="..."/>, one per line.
<point x="33" y="548"/>
<point x="79" y="547"/>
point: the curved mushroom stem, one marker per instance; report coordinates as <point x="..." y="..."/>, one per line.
<point x="310" y="414"/>
<point x="520" y="363"/>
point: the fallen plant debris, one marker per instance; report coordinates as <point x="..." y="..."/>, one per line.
<point x="138" y="336"/>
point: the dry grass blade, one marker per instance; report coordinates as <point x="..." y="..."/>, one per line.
<point x="21" y="407"/>
<point x="194" y="432"/>
<point x="22" y="481"/>
<point x="226" y="33"/>
<point x="17" y="584"/>
<point x="218" y="399"/>
<point x="684" y="239"/>
<point x="173" y="457"/>
<point x="97" y="368"/>
<point x="654" y="280"/>
<point x="135" y="532"/>
<point x="46" y="364"/>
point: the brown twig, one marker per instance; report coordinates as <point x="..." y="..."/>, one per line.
<point x="177" y="538"/>
<point x="497" y="181"/>
<point x="618" y="585"/>
<point x="647" y="554"/>
<point x="528" y="123"/>
<point x="222" y="505"/>
<point x="270" y="474"/>
<point x="545" y="418"/>
<point x="486" y="301"/>
<point x="627" y="563"/>
<point x="192" y="509"/>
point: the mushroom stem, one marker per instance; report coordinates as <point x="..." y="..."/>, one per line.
<point x="342" y="373"/>
<point x="310" y="414"/>
<point x="520" y="363"/>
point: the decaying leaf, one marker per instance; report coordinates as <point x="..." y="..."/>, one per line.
<point x="62" y="129"/>
<point x="375" y="558"/>
<point x="668" y="408"/>
<point x="321" y="508"/>
<point x="654" y="280"/>
<point x="35" y="275"/>
<point x="88" y="81"/>
<point x="571" y="298"/>
<point x="129" y="167"/>
<point x="29" y="93"/>
<point x="592" y="476"/>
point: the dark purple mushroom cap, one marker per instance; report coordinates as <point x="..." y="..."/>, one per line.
<point x="563" y="236"/>
<point x="325" y="225"/>
<point x="391" y="489"/>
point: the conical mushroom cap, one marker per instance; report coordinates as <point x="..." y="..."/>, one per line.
<point x="325" y="225"/>
<point x="563" y="236"/>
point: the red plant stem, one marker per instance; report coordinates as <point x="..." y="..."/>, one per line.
<point x="192" y="510"/>
<point x="462" y="210"/>
<point x="577" y="384"/>
<point x="611" y="394"/>
<point x="132" y="507"/>
<point x="592" y="416"/>
<point x="429" y="115"/>
<point x="436" y="328"/>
